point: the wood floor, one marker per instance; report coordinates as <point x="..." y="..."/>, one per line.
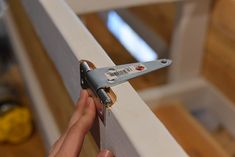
<point x="33" y="146"/>
<point x="195" y="140"/>
<point x="226" y="140"/>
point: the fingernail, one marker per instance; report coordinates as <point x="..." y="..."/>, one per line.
<point x="82" y="94"/>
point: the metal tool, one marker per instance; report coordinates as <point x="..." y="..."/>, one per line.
<point x="101" y="79"/>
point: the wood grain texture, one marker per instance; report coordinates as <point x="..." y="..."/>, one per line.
<point x="58" y="100"/>
<point x="219" y="59"/>
<point x="67" y="41"/>
<point x="119" y="54"/>
<point x="159" y="17"/>
<point x="226" y="140"/>
<point x="223" y="17"/>
<point x="41" y="111"/>
<point x="32" y="147"/>
<point x="188" y="132"/>
<point x="45" y="70"/>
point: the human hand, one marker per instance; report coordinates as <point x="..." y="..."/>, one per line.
<point x="70" y="143"/>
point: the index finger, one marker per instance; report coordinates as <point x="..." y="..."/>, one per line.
<point x="72" y="143"/>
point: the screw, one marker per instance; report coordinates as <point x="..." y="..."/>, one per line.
<point x="140" y="67"/>
<point x="111" y="80"/>
<point x="164" y="61"/>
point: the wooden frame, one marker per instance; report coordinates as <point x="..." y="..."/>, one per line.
<point x="190" y="31"/>
<point x="67" y="41"/>
<point x="61" y="38"/>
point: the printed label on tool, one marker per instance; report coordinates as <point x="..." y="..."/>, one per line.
<point x="115" y="73"/>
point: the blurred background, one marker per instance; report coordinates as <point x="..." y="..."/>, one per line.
<point x="134" y="34"/>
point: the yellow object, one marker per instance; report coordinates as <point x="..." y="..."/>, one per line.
<point x="15" y="125"/>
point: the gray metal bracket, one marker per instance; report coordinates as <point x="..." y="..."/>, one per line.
<point x="101" y="79"/>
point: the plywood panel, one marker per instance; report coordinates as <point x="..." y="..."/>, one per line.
<point x="188" y="132"/>
<point x="219" y="59"/>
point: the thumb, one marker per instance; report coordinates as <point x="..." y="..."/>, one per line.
<point x="105" y="153"/>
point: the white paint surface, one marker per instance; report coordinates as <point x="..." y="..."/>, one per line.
<point x="132" y="129"/>
<point x="86" y="6"/>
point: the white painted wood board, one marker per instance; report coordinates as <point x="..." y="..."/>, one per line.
<point x="184" y="91"/>
<point x="187" y="45"/>
<point x="46" y="121"/>
<point x="194" y="94"/>
<point x="131" y="128"/>
<point x="86" y="6"/>
<point x="222" y="107"/>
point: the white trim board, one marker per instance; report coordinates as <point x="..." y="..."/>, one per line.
<point x="194" y="94"/>
<point x="131" y="128"/>
<point x="86" y="6"/>
<point x="46" y="122"/>
<point x="188" y="39"/>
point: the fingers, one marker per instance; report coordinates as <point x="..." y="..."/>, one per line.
<point x="80" y="105"/>
<point x="72" y="143"/>
<point x="105" y="153"/>
<point x="81" y="121"/>
<point x="55" y="148"/>
<point x="80" y="108"/>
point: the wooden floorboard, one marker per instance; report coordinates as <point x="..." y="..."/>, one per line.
<point x="194" y="139"/>
<point x="226" y="140"/>
<point x="33" y="146"/>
